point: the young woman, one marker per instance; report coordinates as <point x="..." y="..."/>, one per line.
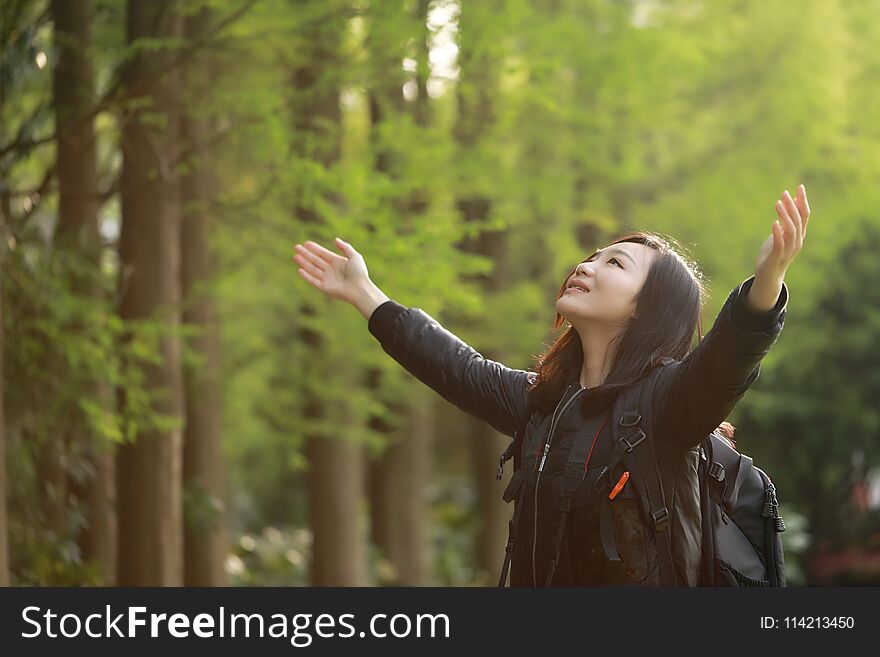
<point x="629" y="308"/>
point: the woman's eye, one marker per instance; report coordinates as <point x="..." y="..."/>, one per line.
<point x="617" y="261"/>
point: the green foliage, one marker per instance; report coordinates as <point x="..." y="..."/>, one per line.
<point x="66" y="356"/>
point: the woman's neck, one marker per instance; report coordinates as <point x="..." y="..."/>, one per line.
<point x="597" y="359"/>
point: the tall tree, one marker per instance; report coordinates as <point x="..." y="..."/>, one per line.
<point x="203" y="472"/>
<point x="4" y="525"/>
<point x="150" y="468"/>
<point x="477" y="89"/>
<point x="13" y="43"/>
<point x="399" y="475"/>
<point x="335" y="476"/>
<point x="5" y="216"/>
<point x="79" y="245"/>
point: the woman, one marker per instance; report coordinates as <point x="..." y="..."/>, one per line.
<point x="629" y="308"/>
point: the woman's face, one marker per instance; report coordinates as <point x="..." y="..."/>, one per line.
<point x="613" y="277"/>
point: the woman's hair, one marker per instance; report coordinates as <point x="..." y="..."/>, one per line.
<point x="667" y="317"/>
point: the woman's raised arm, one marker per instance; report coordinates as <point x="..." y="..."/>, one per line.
<point x="486" y="389"/>
<point x="695" y="395"/>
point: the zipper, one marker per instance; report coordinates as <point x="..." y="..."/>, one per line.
<point x="773" y="525"/>
<point x="554" y="421"/>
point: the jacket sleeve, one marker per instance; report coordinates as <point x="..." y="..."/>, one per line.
<point x="481" y="387"/>
<point x="693" y="396"/>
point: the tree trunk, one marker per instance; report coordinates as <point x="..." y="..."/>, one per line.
<point x="150" y="469"/>
<point x="335" y="488"/>
<point x="335" y="476"/>
<point x="476" y="115"/>
<point x="203" y="473"/>
<point x="78" y="241"/>
<point x="398" y="481"/>
<point x="399" y="475"/>
<point x="4" y="529"/>
<point x="487" y="444"/>
<point x="5" y="218"/>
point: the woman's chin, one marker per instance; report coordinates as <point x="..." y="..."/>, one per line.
<point x="568" y="301"/>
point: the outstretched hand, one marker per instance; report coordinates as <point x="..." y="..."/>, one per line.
<point x="338" y="276"/>
<point x="786" y="238"/>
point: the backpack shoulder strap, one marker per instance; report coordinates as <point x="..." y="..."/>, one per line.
<point x="633" y="427"/>
<point x="515" y="489"/>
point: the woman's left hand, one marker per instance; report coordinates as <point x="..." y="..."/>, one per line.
<point x="786" y="238"/>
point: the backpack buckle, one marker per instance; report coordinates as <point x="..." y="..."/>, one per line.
<point x="631" y="445"/>
<point x="630" y="419"/>
<point x="504" y="458"/>
<point x="716" y="471"/>
<point x="661" y="519"/>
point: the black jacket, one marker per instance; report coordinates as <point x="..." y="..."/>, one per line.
<point x="692" y="397"/>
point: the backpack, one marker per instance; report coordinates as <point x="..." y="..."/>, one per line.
<point x="737" y="502"/>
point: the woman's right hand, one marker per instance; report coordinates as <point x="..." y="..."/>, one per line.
<point x="338" y="276"/>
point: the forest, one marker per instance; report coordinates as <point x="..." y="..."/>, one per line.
<point x="178" y="407"/>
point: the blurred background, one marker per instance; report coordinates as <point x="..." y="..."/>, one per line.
<point x="180" y="407"/>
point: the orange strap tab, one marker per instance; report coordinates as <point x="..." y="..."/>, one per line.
<point x="619" y="486"/>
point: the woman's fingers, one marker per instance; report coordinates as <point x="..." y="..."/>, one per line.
<point x="321" y="252"/>
<point x="315" y="271"/>
<point x="311" y="257"/>
<point x="794" y="215"/>
<point x="787" y="224"/>
<point x="345" y="247"/>
<point x="778" y="238"/>
<point x="317" y="283"/>
<point x="309" y="278"/>
<point x="803" y="206"/>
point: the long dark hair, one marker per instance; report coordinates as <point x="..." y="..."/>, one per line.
<point x="668" y="314"/>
